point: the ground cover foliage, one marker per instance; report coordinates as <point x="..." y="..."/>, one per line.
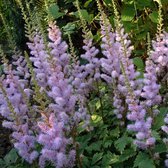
<point x="84" y="83"/>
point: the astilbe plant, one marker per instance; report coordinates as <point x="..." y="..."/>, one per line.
<point x="44" y="98"/>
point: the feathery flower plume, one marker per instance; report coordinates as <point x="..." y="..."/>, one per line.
<point x="131" y="88"/>
<point x="57" y="119"/>
<point x="13" y="106"/>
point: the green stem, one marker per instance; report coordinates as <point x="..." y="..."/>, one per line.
<point x="74" y="135"/>
<point x="101" y="102"/>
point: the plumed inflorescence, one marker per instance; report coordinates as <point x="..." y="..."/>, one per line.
<point x="159" y="53"/>
<point x="14" y="106"/>
<point x="131" y="87"/>
<point x="119" y="71"/>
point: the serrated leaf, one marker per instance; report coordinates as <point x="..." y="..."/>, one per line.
<point x="154" y="16"/>
<point x="94" y="146"/>
<point x="11" y="157"/>
<point x="107" y="143"/>
<point x="143" y="161"/>
<point x="96" y="157"/>
<point x="85" y="161"/>
<point x="127" y="154"/>
<point x="160" y="148"/>
<point x="128" y="13"/>
<point x="109" y="158"/>
<point x="115" y="132"/>
<point x="121" y="143"/>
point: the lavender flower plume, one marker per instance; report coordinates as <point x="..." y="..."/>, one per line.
<point x="54" y="143"/>
<point x="39" y="58"/>
<point x="159" y="53"/>
<point x="131" y="88"/>
<point x="13" y="107"/>
<point x="57" y="119"/>
<point x="151" y="88"/>
<point x="111" y="64"/>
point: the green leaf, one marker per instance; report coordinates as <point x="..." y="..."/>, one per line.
<point x="109" y="158"/>
<point x="121" y="143"/>
<point x="96" y="157"/>
<point x="69" y="28"/>
<point x="11" y="157"/>
<point x="87" y="3"/>
<point x="159" y="120"/>
<point x="94" y="146"/>
<point x="96" y="118"/>
<point x="127" y="154"/>
<point x="115" y="133"/>
<point x="54" y="11"/>
<point x="128" y="1"/>
<point x="156" y="135"/>
<point x="2" y="163"/>
<point x="154" y="16"/>
<point x="139" y="63"/>
<point x="107" y="2"/>
<point x="160" y="148"/>
<point x="143" y="161"/>
<point x="143" y="3"/>
<point x="85" y="161"/>
<point x="1" y="69"/>
<point x="107" y="143"/>
<point x="128" y="13"/>
<point x="85" y="15"/>
<point x="139" y="52"/>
